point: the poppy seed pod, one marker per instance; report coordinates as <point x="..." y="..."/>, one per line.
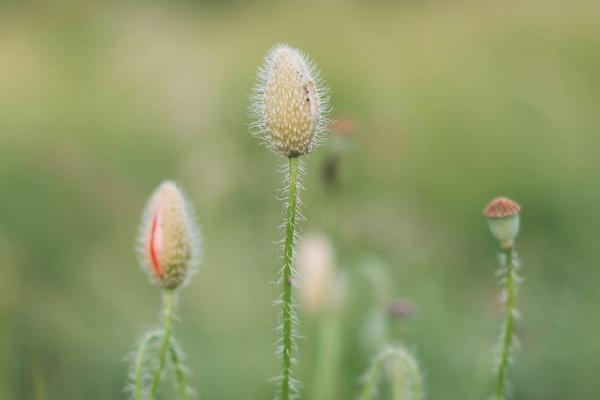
<point x="168" y="238"/>
<point x="502" y="216"/>
<point x="289" y="103"/>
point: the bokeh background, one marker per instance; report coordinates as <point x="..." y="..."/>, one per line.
<point x="448" y="104"/>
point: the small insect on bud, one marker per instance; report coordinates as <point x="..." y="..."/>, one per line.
<point x="289" y="103"/>
<point x="168" y="238"/>
<point x="316" y="273"/>
<point x="502" y="216"/>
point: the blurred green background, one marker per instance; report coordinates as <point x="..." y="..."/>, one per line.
<point x="454" y="102"/>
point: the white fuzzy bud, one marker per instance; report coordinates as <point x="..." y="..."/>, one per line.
<point x="289" y="103"/>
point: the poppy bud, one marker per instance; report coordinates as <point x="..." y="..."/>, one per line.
<point x="168" y="239"/>
<point x="289" y="103"/>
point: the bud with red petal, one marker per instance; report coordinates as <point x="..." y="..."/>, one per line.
<point x="168" y="238"/>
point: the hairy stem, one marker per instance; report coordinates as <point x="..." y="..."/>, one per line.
<point x="146" y="341"/>
<point x="506" y="337"/>
<point x="406" y="377"/>
<point x="182" y="387"/>
<point x="168" y="306"/>
<point x="287" y="278"/>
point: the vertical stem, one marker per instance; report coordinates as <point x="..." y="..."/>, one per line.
<point x="287" y="306"/>
<point x="326" y="371"/>
<point x="406" y="377"/>
<point x="139" y="359"/>
<point x="370" y="382"/>
<point x="168" y="305"/>
<point x="179" y="373"/>
<point x="506" y="337"/>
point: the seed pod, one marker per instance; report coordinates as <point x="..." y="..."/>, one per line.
<point x="502" y="216"/>
<point x="168" y="238"/>
<point x="289" y="103"/>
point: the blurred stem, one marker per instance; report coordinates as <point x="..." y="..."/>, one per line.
<point x="326" y="373"/>
<point x="168" y="305"/>
<point x="147" y="339"/>
<point x="406" y="376"/>
<point x="406" y="379"/>
<point x="287" y="306"/>
<point x="179" y="373"/>
<point x="506" y="338"/>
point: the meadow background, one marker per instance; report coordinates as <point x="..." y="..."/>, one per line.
<point x="454" y="102"/>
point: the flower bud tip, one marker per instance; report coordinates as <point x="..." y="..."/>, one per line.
<point x="168" y="241"/>
<point x="289" y="102"/>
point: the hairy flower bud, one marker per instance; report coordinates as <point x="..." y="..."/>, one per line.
<point x="289" y="103"/>
<point x="168" y="238"/>
<point x="502" y="215"/>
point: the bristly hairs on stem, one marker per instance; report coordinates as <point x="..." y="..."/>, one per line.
<point x="288" y="319"/>
<point x="507" y="342"/>
<point x="169" y="300"/>
<point x="288" y="107"/>
<point x="403" y="371"/>
<point x="142" y="363"/>
<point x="181" y="371"/>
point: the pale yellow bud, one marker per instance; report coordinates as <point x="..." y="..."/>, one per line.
<point x="289" y="103"/>
<point x="316" y="274"/>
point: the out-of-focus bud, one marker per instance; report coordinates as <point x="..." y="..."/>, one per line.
<point x="289" y="103"/>
<point x="502" y="216"/>
<point x="168" y="238"/>
<point x="400" y="309"/>
<point x="316" y="274"/>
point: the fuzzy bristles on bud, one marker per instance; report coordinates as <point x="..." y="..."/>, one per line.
<point x="289" y="103"/>
<point x="502" y="215"/>
<point x="168" y="242"/>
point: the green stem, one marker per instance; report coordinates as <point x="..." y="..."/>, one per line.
<point x="326" y="372"/>
<point x="147" y="339"/>
<point x="168" y="305"/>
<point x="406" y="377"/>
<point x="287" y="306"/>
<point x="179" y="373"/>
<point x="370" y="385"/>
<point x="506" y="337"/>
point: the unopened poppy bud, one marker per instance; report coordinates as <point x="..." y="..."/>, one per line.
<point x="316" y="273"/>
<point x="502" y="216"/>
<point x="289" y="103"/>
<point x="168" y="239"/>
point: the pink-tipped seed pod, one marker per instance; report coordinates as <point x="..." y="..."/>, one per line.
<point x="502" y="216"/>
